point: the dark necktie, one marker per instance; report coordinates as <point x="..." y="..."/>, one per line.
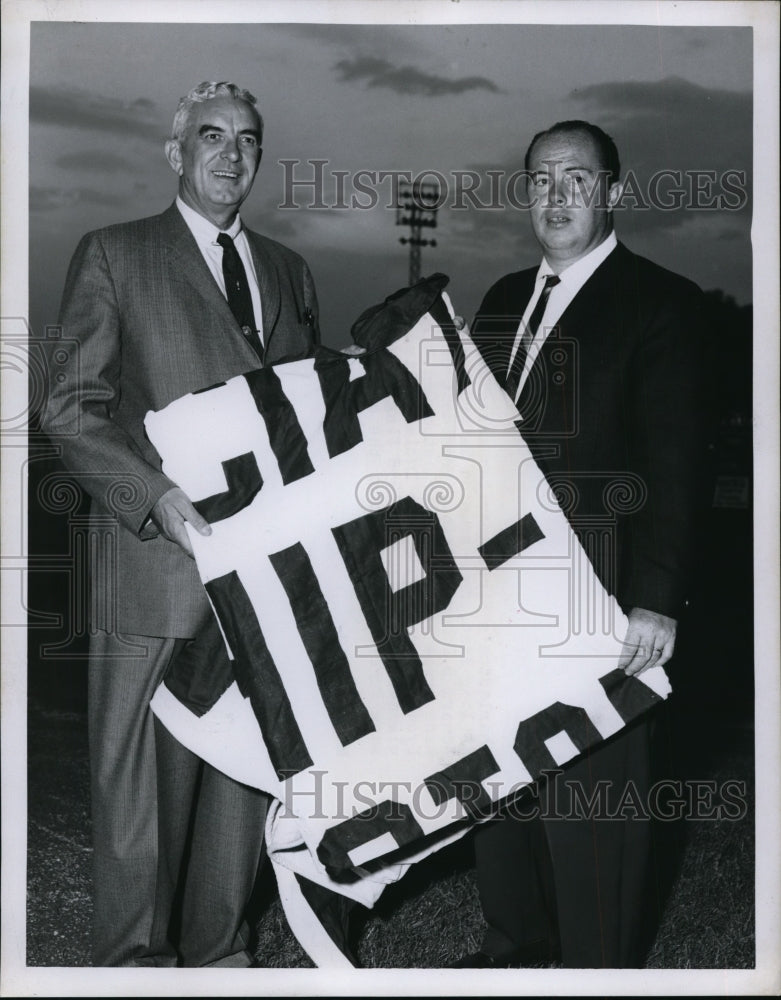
<point x="516" y="369"/>
<point x="238" y="293"/>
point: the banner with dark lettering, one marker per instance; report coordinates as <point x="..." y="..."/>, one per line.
<point x="414" y="630"/>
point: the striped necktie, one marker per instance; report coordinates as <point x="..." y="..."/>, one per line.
<point x="516" y="369"/>
<point x="237" y="292"/>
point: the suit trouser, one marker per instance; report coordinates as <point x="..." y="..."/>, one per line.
<point x="177" y="844"/>
<point x="544" y="873"/>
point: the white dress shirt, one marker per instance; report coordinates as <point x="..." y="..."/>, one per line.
<point x="572" y="279"/>
<point x="205" y="234"/>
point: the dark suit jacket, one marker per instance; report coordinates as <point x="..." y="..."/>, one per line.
<point x="613" y="411"/>
<point x="151" y="325"/>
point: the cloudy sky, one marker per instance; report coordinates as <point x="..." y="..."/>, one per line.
<point x="443" y="98"/>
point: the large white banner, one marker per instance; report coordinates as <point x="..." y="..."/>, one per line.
<point x="415" y="630"/>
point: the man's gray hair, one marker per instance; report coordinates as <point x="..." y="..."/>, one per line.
<point x="205" y="92"/>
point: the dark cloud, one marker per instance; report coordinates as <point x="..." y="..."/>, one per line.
<point x="406" y="79"/>
<point x="686" y="154"/>
<point x="81" y="109"/>
<point x="350" y="38"/>
<point x="46" y="199"/>
<point x="731" y="235"/>
<point x="94" y="159"/>
<point x="676" y="126"/>
<point x="648" y="96"/>
<point x="673" y="119"/>
<point x="702" y="137"/>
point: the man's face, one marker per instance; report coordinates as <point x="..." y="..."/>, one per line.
<point x="572" y="200"/>
<point x="218" y="158"/>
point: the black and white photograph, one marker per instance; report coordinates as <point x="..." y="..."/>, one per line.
<point x="390" y="498"/>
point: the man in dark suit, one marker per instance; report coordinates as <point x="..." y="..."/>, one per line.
<point x="159" y="308"/>
<point x="599" y="349"/>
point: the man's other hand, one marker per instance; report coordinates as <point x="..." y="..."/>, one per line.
<point x="650" y="641"/>
<point x="169" y="514"/>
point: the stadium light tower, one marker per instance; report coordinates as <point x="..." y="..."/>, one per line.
<point x="417" y="208"/>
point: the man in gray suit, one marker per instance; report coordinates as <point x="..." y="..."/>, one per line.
<point x="159" y="308"/>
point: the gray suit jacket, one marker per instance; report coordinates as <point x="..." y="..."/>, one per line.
<point x="150" y="325"/>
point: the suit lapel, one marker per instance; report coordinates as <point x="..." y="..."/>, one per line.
<point x="268" y="283"/>
<point x="583" y="314"/>
<point x="498" y="321"/>
<point x="187" y="260"/>
<point x="583" y="318"/>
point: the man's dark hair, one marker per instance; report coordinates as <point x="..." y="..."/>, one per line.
<point x="608" y="153"/>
